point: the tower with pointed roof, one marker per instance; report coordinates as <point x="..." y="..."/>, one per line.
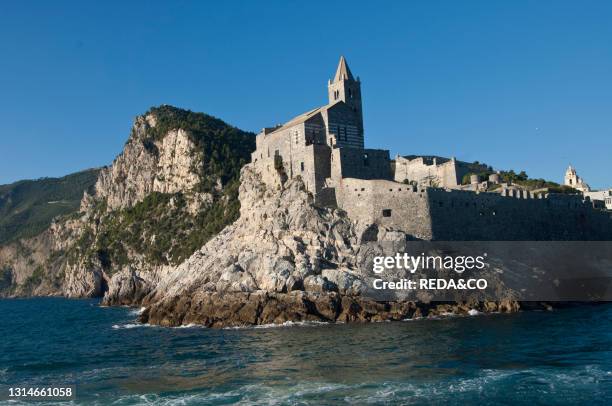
<point x="326" y="144"/>
<point x="344" y="87"/>
<point x="572" y="179"/>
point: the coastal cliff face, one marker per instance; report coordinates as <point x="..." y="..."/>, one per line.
<point x="167" y="165"/>
<point x="164" y="196"/>
<point x="283" y="260"/>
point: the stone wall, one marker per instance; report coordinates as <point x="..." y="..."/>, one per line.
<point x="602" y="196"/>
<point x="387" y="203"/>
<point x="438" y="214"/>
<point x="360" y="163"/>
<point x="430" y="171"/>
<point x="459" y="215"/>
<point x="295" y="145"/>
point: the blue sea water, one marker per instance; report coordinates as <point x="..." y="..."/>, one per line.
<point x="559" y="357"/>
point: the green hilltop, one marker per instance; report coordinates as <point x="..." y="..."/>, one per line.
<point x="27" y="207"/>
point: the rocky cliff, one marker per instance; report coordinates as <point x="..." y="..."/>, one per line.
<point x="171" y="189"/>
<point x="283" y="260"/>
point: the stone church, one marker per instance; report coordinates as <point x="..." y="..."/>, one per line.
<point x="325" y="148"/>
<point x="325" y="144"/>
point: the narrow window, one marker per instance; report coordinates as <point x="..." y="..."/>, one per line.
<point x="386" y="212"/>
<point x="302" y="166"/>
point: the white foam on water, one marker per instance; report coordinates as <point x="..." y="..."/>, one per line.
<point x="291" y="324"/>
<point x="190" y="325"/>
<point x="487" y="382"/>
<point x="280" y="325"/>
<point x="137" y="312"/>
<point x="131" y="325"/>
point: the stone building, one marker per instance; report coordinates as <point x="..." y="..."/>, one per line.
<point x="430" y="171"/>
<point x="325" y="144"/>
<point x="325" y="147"/>
<point x="602" y="198"/>
<point x="572" y="179"/>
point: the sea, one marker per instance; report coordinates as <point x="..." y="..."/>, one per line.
<point x="532" y="358"/>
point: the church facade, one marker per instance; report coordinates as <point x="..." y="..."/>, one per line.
<point x="325" y="144"/>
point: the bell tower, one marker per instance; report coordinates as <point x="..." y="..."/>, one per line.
<point x="344" y="87"/>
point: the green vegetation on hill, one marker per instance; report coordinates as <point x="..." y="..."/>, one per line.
<point x="160" y="228"/>
<point x="27" y="207"/>
<point x="522" y="179"/>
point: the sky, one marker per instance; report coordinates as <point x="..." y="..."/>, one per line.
<point x="523" y="85"/>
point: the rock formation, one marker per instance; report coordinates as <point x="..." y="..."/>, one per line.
<point x="148" y="211"/>
<point x="161" y="230"/>
<point x="283" y="260"/>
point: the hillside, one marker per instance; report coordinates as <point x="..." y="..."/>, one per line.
<point x="28" y="206"/>
<point x="173" y="187"/>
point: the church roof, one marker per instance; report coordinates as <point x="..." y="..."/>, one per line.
<point x="300" y="119"/>
<point x="343" y="72"/>
<point x="306" y="116"/>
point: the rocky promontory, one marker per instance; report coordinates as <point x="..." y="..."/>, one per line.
<point x="182" y="225"/>
<point x="284" y="259"/>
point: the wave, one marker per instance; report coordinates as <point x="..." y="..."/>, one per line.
<point x="448" y="315"/>
<point x="131" y="325"/>
<point x="488" y="386"/>
<point x="137" y="312"/>
<point x="137" y="325"/>
<point x="281" y="325"/>
<point x="190" y="325"/>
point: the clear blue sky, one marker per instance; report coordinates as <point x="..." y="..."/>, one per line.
<point x="516" y="84"/>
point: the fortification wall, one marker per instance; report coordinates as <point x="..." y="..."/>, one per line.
<point x="461" y="215"/>
<point x="439" y="214"/>
<point x="360" y="163"/>
<point x="388" y="203"/>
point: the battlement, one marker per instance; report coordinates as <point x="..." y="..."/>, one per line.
<point x="443" y="214"/>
